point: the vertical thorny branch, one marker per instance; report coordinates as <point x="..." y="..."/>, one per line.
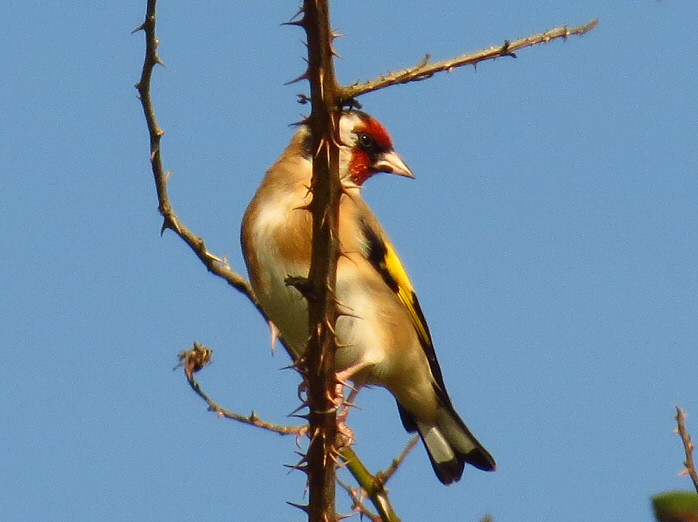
<point x="319" y="360"/>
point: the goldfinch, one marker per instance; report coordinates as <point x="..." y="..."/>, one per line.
<point x="382" y="336"/>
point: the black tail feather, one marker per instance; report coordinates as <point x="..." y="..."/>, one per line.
<point x="449" y="444"/>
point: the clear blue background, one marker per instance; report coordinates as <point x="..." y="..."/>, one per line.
<point x="551" y="234"/>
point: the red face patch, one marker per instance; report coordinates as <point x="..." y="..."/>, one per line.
<point x="375" y="128"/>
<point x="361" y="165"/>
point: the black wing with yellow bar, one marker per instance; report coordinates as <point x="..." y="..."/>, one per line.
<point x="383" y="257"/>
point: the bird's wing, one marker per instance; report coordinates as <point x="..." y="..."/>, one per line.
<point x="383" y="257"/>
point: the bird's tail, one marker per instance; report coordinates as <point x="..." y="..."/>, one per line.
<point x="449" y="444"/>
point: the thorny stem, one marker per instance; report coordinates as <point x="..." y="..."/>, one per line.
<point x="199" y="356"/>
<point x="688" y="446"/>
<point x="171" y="221"/>
<point x="424" y="69"/>
<point x="319" y="367"/>
<point x="386" y="475"/>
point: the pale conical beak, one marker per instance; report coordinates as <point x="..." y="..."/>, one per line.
<point x="391" y="163"/>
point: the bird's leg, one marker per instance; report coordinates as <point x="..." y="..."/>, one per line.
<point x="348" y="373"/>
<point x="344" y="403"/>
<point x="344" y="433"/>
<point x="345" y="436"/>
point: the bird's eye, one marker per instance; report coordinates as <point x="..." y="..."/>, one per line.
<point x="366" y="142"/>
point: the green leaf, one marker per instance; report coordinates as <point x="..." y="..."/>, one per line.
<point x="676" y="506"/>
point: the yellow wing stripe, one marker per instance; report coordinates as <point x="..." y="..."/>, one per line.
<point x="406" y="293"/>
<point x="383" y="257"/>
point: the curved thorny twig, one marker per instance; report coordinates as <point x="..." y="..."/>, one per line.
<point x="195" y="359"/>
<point x="171" y="221"/>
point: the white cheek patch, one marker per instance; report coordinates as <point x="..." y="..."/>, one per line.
<point x="347" y="124"/>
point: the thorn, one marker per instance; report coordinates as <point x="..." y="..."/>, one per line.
<point x="343" y="313"/>
<point x="305" y="508"/>
<point x="305" y="416"/>
<point x="139" y="28"/>
<point x="504" y="51"/>
<point x="304" y="121"/>
<point x="293" y="20"/>
<point x="298" y="23"/>
<point x="303" y="462"/>
<point x="294" y="413"/>
<point x="322" y="143"/>
<point x="308" y="193"/>
<point x="297" y="467"/>
<point x="291" y="366"/>
<point x="333" y="50"/>
<point x="304" y="76"/>
<point x="214" y="257"/>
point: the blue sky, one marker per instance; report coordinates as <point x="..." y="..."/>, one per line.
<point x="550" y="233"/>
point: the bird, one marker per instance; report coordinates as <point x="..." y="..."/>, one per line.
<point x="382" y="336"/>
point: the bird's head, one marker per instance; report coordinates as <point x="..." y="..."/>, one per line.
<point x="366" y="149"/>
